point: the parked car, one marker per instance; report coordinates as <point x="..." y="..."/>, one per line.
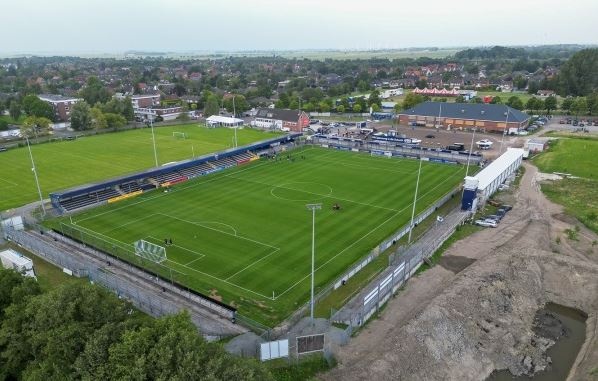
<point x="2" y="149"/>
<point x="430" y="136"/>
<point x="486" y="224"/>
<point x="561" y="121"/>
<point x="493" y="217"/>
<point x="506" y="207"/>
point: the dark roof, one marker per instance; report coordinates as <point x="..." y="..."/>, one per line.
<point x="477" y="111"/>
<point x="278" y="114"/>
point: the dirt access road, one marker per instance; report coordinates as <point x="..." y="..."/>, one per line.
<point x="473" y="312"/>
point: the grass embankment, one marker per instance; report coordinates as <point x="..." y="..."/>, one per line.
<point x="579" y="196"/>
<point x="48" y="275"/>
<point x="89" y="159"/>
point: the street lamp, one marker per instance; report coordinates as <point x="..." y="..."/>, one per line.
<point x="414" y="200"/>
<point x="470" y="149"/>
<point x="39" y="191"/>
<point x="234" y="123"/>
<point x="313" y="208"/>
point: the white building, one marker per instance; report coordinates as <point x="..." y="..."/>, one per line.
<point x="223" y="121"/>
<point x="18" y="262"/>
<point x="391" y="93"/>
<point x="480" y="187"/>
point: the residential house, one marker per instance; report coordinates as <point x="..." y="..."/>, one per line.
<point x="62" y="105"/>
<point x="281" y="119"/>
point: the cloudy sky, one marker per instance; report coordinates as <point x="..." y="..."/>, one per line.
<point x="114" y="26"/>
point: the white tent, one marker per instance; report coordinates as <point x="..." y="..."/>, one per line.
<point x="223" y="121"/>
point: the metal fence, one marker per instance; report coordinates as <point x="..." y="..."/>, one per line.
<point x="401" y="267"/>
<point x="141" y="297"/>
<point x="354" y="269"/>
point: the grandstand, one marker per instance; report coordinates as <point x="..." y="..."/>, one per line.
<point x="91" y="195"/>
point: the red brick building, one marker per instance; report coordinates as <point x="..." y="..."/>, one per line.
<point x="483" y="117"/>
<point x="286" y="120"/>
<point x="62" y="105"/>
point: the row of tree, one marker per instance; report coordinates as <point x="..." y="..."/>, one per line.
<point x="83" y="332"/>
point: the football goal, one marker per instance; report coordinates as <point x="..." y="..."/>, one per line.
<point x="179" y="135"/>
<point x="150" y="251"/>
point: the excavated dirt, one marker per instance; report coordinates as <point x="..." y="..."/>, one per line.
<point x="475" y="312"/>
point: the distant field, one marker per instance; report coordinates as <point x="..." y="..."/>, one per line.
<point x="244" y="235"/>
<point x="579" y="196"/>
<point x="66" y="164"/>
<point x="365" y="54"/>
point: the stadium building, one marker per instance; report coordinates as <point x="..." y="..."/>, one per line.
<point x="286" y="120"/>
<point x="483" y="117"/>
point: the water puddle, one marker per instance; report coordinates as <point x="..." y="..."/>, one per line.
<point x="566" y="326"/>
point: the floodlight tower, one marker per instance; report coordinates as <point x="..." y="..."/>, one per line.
<point x="153" y="138"/>
<point x="234" y="125"/>
<point x="34" y="170"/>
<point x="505" y="130"/>
<point x="313" y="208"/>
<point x="414" y="200"/>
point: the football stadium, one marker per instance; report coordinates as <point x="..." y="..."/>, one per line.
<point x="234" y="226"/>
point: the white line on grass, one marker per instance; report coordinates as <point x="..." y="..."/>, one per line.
<point x="252" y="264"/>
<point x="367" y="234"/>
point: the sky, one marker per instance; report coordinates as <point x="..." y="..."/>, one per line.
<point x="116" y="26"/>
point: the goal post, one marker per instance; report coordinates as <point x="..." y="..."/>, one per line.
<point x="150" y="251"/>
<point x="179" y="135"/>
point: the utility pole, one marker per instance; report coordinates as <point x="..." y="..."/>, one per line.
<point x="505" y="130"/>
<point x="313" y="208"/>
<point x="39" y="191"/>
<point x="414" y="200"/>
<point x="470" y="149"/>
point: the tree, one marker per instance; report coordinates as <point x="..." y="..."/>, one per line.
<point x="81" y="116"/>
<point x="95" y="92"/>
<point x="580" y="106"/>
<point x="212" y="107"/>
<point x="579" y="75"/>
<point x="496" y="100"/>
<point x="567" y="104"/>
<point x="375" y="107"/>
<point x="3" y="125"/>
<point x="14" y="110"/>
<point x="397" y="108"/>
<point x="476" y="100"/>
<point x="374" y="98"/>
<point x="128" y="111"/>
<point x="33" y="106"/>
<point x="240" y="104"/>
<point x="33" y="125"/>
<point x="515" y="102"/>
<point x="98" y="120"/>
<point x="324" y="106"/>
<point x="340" y="109"/>
<point x="357" y="108"/>
<point x="550" y="104"/>
<point x="115" y="121"/>
<point x="412" y="100"/>
<point x="460" y="99"/>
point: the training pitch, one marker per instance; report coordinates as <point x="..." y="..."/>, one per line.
<point x="63" y="164"/>
<point x="244" y="235"/>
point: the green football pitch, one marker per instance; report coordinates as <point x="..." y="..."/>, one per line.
<point x="244" y="235"/>
<point x="65" y="164"/>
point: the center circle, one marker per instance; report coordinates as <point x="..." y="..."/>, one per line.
<point x="301" y="191"/>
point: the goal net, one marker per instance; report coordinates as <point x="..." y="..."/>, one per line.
<point x="179" y="135"/>
<point x="150" y="251"/>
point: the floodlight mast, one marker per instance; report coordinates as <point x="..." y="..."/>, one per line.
<point x="153" y="138"/>
<point x="505" y="130"/>
<point x="234" y="117"/>
<point x="414" y="200"/>
<point x="313" y="208"/>
<point x="34" y="170"/>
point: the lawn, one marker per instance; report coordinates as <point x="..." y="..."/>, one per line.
<point x="574" y="156"/>
<point x="244" y="235"/>
<point x="578" y="195"/>
<point x="66" y="164"/>
<point x="10" y="120"/>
